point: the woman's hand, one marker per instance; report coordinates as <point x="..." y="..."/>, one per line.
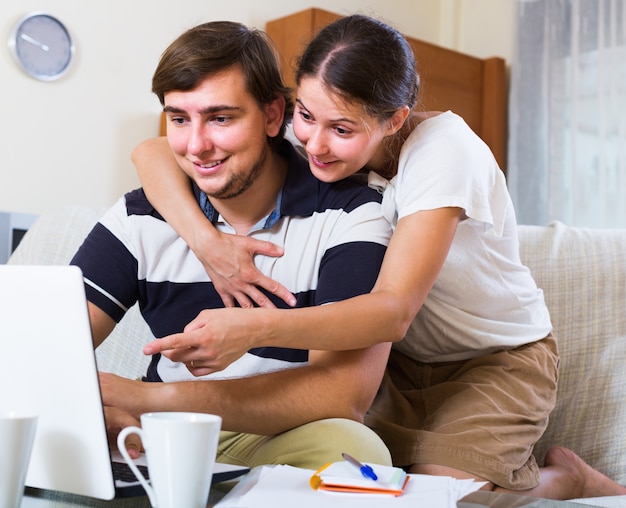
<point x="230" y="265"/>
<point x="211" y="342"/>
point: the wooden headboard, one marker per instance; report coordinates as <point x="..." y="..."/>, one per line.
<point x="474" y="88"/>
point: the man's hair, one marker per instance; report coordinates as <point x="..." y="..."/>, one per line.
<point x="210" y="48"/>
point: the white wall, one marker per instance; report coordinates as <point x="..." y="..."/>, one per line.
<point x="68" y="142"/>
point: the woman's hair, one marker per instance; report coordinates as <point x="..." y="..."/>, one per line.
<point x="363" y="60"/>
<point x="212" y="47"/>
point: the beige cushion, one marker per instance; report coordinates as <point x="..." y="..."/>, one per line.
<point x="53" y="240"/>
<point x="583" y="274"/>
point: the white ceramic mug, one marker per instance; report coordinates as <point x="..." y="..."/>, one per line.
<point x="17" y="433"/>
<point x="180" y="452"/>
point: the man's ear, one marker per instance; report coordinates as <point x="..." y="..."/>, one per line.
<point x="274" y="115"/>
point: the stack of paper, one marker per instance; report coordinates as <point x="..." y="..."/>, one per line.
<point x="286" y="486"/>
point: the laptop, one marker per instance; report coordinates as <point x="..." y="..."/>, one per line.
<point x="49" y="369"/>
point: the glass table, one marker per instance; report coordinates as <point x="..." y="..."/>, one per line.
<point x="482" y="498"/>
<point x="35" y="498"/>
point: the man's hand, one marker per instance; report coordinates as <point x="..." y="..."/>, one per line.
<point x="209" y="343"/>
<point x="115" y="391"/>
<point x="116" y="420"/>
<point x="124" y="401"/>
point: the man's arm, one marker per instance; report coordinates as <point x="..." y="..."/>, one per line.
<point x="101" y="324"/>
<point x="334" y="384"/>
<point x="116" y="419"/>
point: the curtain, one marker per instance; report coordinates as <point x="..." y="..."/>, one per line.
<point x="567" y="113"/>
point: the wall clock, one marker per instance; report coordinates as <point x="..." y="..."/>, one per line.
<point x="42" y="46"/>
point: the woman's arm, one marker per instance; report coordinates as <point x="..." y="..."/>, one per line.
<point x="416" y="253"/>
<point x="228" y="259"/>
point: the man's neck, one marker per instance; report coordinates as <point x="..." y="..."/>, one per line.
<point x="259" y="200"/>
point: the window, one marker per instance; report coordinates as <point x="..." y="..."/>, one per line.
<point x="567" y="148"/>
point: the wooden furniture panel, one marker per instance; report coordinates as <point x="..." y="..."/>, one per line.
<point x="163" y="125"/>
<point x="292" y="33"/>
<point x="472" y="87"/>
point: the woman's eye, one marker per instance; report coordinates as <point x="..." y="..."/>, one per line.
<point x="305" y="115"/>
<point x="342" y="131"/>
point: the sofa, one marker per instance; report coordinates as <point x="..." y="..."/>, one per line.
<point x="581" y="271"/>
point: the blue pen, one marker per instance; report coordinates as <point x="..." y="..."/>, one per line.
<point x="366" y="470"/>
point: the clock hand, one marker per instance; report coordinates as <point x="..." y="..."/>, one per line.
<point x="35" y="42"/>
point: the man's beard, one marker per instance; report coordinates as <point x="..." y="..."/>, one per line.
<point x="240" y="183"/>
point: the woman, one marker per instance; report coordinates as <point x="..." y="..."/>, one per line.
<point x="469" y="389"/>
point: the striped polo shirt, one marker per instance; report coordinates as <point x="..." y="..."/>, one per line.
<point x="334" y="236"/>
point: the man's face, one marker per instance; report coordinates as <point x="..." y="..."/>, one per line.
<point x="218" y="133"/>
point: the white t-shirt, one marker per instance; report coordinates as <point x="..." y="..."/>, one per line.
<point x="484" y="298"/>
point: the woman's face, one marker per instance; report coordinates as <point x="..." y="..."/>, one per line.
<point x="339" y="138"/>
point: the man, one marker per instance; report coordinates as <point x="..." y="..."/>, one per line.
<point x="226" y="107"/>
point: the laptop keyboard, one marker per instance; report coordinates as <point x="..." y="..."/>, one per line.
<point x="121" y="471"/>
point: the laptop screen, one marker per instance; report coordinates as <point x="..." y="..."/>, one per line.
<point x="50" y="366"/>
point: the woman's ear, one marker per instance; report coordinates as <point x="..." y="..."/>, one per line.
<point x="397" y="120"/>
<point x="274" y="116"/>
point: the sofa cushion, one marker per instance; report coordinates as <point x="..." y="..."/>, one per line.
<point x="583" y="275"/>
<point x="52" y="240"/>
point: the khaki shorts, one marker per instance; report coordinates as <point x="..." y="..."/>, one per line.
<point x="482" y="416"/>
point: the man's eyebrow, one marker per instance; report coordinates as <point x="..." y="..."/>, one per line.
<point x="205" y="111"/>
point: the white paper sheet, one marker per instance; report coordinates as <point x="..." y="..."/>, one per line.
<point x="277" y="486"/>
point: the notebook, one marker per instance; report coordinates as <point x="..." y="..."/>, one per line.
<point x="345" y="477"/>
<point x="49" y="369"/>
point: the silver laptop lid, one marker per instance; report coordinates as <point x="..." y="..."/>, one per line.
<point x="49" y="369"/>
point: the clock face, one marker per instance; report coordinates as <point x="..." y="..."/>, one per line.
<point x="42" y="46"/>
